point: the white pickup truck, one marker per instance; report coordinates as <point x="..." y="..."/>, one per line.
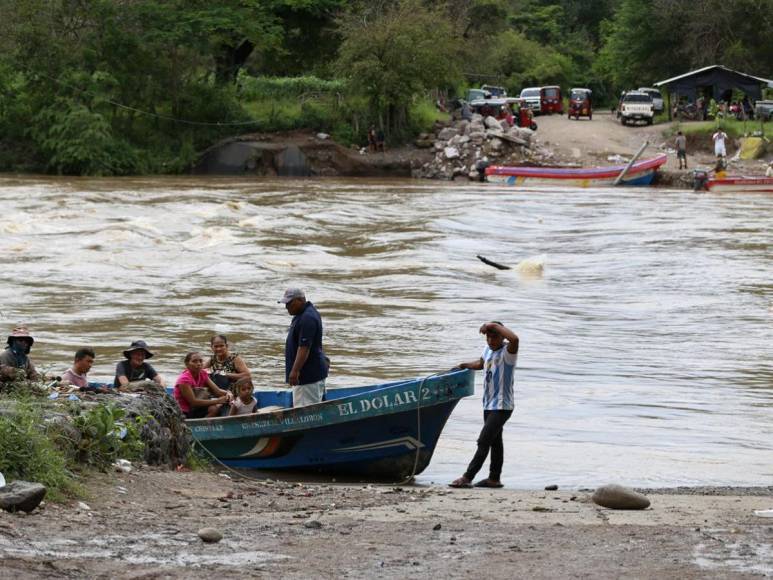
<point x="636" y="106"/>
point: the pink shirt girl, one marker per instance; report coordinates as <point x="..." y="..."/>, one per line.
<point x="187" y="378"/>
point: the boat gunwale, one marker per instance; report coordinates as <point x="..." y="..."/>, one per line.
<point x="576" y="173"/>
<point x="289" y="420"/>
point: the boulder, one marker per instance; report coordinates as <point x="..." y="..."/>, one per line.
<point x="447" y="133"/>
<point x="464" y="139"/>
<point x="451" y="152"/>
<point x="21" y="496"/>
<point x="492" y="123"/>
<point x="166" y="437"/>
<point x="210" y="535"/>
<point x="618" y="497"/>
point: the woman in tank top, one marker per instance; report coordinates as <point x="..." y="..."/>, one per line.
<point x="225" y="368"/>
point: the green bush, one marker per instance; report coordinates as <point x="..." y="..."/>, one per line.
<point x="50" y="451"/>
<point x="27" y="453"/>
<point x="286" y="87"/>
<point x="106" y="434"/>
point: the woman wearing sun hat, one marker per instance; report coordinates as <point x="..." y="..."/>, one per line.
<point x="15" y="356"/>
<point x="134" y="368"/>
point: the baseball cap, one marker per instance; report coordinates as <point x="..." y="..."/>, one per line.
<point x="291" y="294"/>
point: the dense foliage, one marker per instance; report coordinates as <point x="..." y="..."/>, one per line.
<point x="115" y="87"/>
<point x="47" y="444"/>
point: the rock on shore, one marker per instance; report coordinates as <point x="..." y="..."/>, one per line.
<point x="21" y="496"/>
<point x="619" y="497"/>
<point x="464" y="148"/>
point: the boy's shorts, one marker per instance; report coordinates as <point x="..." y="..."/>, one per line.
<point x="681" y="154"/>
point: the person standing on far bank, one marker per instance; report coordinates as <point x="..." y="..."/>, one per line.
<point x="306" y="366"/>
<point x="681" y="149"/>
<point x="719" y="143"/>
<point x="498" y="360"/>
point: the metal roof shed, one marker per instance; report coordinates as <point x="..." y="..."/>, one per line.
<point x="719" y="79"/>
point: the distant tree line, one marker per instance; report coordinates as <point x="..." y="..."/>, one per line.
<point x="140" y="86"/>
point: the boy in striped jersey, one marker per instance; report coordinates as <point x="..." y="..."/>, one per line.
<point x="498" y="360"/>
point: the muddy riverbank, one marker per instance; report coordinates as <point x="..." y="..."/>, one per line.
<point x="144" y="525"/>
<point x="558" y="142"/>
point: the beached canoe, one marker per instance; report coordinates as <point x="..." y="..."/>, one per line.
<point x="372" y="431"/>
<point x="640" y="173"/>
<point x="739" y="183"/>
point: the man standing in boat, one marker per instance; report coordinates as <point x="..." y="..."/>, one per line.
<point x="306" y="366"/>
<point x="498" y="360"/>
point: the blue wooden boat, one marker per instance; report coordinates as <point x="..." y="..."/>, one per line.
<point x="387" y="430"/>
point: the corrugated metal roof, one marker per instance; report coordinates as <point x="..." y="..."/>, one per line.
<point x="704" y="69"/>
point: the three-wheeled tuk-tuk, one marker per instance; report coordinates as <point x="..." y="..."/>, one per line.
<point x="580" y="103"/>
<point x="523" y="114"/>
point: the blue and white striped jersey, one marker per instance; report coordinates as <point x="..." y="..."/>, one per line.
<point x="499" y="366"/>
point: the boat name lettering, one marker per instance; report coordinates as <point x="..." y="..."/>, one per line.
<point x="207" y="428"/>
<point x="387" y="401"/>
<point x="290" y="420"/>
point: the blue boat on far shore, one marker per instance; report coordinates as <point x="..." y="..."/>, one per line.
<point x="385" y="431"/>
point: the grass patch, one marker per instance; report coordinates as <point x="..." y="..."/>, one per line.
<point x="424" y="114"/>
<point x="28" y="453"/>
<point x="53" y="444"/>
<point x="733" y="128"/>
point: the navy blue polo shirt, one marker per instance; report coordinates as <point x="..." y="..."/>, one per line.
<point x="306" y="330"/>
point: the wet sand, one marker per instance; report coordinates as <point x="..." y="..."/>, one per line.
<point x="144" y="525"/>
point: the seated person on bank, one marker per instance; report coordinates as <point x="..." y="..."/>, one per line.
<point x="134" y="368"/>
<point x="245" y="403"/>
<point x="192" y="388"/>
<point x="14" y="360"/>
<point x="77" y="374"/>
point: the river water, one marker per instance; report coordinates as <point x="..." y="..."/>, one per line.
<point x="645" y="316"/>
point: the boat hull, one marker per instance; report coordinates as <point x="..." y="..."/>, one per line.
<point x="370" y="431"/>
<point x="640" y="173"/>
<point x="740" y="185"/>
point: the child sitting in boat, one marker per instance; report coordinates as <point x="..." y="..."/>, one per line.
<point x="192" y="383"/>
<point x="245" y="403"/>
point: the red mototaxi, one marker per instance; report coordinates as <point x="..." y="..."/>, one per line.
<point x="580" y="103"/>
<point x="524" y="116"/>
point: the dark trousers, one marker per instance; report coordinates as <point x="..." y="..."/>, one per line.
<point x="490" y="438"/>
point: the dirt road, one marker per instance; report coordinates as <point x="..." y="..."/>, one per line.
<point x="598" y="139"/>
<point x="144" y="525"/>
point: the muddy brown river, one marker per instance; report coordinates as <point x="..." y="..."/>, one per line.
<point x="645" y="316"/>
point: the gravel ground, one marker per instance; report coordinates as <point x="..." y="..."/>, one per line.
<point x="144" y="525"/>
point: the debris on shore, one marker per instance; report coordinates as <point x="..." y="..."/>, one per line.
<point x="465" y="148"/>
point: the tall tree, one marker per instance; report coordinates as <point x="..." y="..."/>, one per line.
<point x="393" y="51"/>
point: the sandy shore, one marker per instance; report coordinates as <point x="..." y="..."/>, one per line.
<point x="144" y="525"/>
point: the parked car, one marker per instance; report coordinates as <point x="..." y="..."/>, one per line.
<point x="551" y="100"/>
<point x="764" y="110"/>
<point x="580" y="103"/>
<point x="636" y="106"/>
<point x="657" y="99"/>
<point x="499" y="92"/>
<point x="532" y="97"/>
<point x="475" y="94"/>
